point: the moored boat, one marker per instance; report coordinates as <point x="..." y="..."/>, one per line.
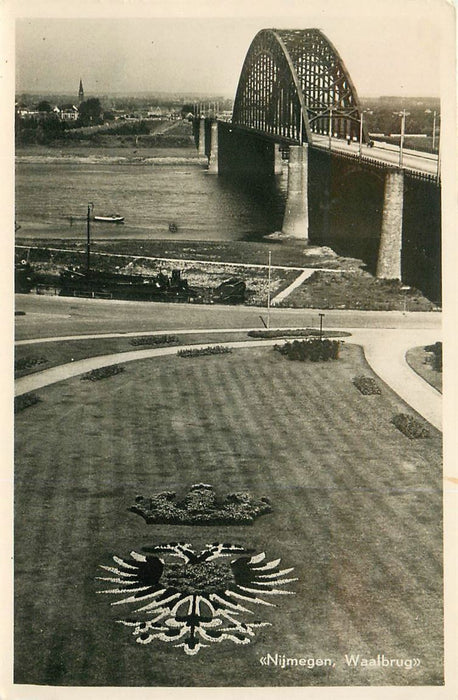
<point x="112" y="219"/>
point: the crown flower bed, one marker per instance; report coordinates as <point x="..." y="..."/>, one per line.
<point x="154" y="340"/>
<point x="200" y="506"/>
<point x="315" y="350"/>
<point x="367" y="386"/>
<point x="24" y="401"/>
<point x="198" y="352"/>
<point x="103" y="372"/>
<point x="410" y="426"/>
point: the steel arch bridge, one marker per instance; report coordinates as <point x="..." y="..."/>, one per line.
<point x="293" y="85"/>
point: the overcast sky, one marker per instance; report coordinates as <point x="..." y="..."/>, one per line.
<point x="388" y="48"/>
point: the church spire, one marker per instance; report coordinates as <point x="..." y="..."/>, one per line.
<point x="81" y="92"/>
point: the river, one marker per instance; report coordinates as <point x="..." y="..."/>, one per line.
<point x="53" y="191"/>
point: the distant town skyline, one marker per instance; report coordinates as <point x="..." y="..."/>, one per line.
<point x="388" y="54"/>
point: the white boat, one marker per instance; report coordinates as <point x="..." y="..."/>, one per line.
<point x="113" y="219"/>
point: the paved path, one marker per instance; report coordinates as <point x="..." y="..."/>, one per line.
<point x="384" y="350"/>
<point x="297" y="282"/>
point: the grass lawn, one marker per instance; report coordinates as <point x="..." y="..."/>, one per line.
<point x="421" y="362"/>
<point x="357" y="513"/>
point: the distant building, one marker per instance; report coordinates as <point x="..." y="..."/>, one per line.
<point x="80" y="93"/>
<point x="68" y="113"/>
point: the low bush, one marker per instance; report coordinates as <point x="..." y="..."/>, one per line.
<point x="154" y="340"/>
<point x="315" y="350"/>
<point x="28" y="363"/>
<point x="197" y="352"/>
<point x="436" y="358"/>
<point x="103" y="372"/>
<point x="410" y="426"/>
<point x="367" y="385"/>
<point x="200" y="506"/>
<point x="292" y="333"/>
<point x="24" y="401"/>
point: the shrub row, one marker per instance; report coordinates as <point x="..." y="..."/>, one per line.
<point x="154" y="340"/>
<point x="28" y="363"/>
<point x="367" y="385"/>
<point x="313" y="350"/>
<point x="103" y="372"/>
<point x="24" y="401"/>
<point x="410" y="426"/>
<point x="200" y="506"/>
<point x="436" y="359"/>
<point x="197" y="352"/>
<point x="291" y="333"/>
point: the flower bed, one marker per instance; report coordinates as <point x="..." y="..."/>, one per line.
<point x="200" y="506"/>
<point x="154" y="340"/>
<point x="197" y="352"/>
<point x="367" y="385"/>
<point x="314" y="350"/>
<point x="103" y="372"/>
<point x="410" y="426"/>
<point x="23" y="363"/>
<point x="24" y="401"/>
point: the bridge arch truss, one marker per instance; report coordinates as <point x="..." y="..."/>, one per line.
<point x="293" y="85"/>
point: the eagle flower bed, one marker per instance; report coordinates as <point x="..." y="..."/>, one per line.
<point x="200" y="506"/>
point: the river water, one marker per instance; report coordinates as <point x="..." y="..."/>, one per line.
<point x="52" y="194"/>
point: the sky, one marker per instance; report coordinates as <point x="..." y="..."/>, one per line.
<point x="389" y="48"/>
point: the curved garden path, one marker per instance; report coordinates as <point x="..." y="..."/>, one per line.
<point x="385" y="351"/>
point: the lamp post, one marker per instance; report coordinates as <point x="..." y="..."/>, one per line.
<point x="403" y="114"/>
<point x="330" y="127"/>
<point x="321" y="315"/>
<point x="361" y="130"/>
<point x="88" y="237"/>
<point x="405" y="288"/>
<point x="268" y="288"/>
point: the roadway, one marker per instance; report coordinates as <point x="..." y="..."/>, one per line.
<point x="384" y="153"/>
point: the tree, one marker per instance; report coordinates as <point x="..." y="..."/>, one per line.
<point x="90" y="111"/>
<point x="44" y="106"/>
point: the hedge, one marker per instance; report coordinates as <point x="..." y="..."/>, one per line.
<point x="313" y="350"/>
<point x="436" y="359"/>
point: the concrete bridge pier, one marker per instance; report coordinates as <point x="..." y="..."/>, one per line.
<point x="202" y="137"/>
<point x="213" y="157"/>
<point x="390" y="248"/>
<point x="296" y="220"/>
<point x="278" y="160"/>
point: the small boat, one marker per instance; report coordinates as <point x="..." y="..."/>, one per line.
<point x="173" y="228"/>
<point x="113" y="219"/>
